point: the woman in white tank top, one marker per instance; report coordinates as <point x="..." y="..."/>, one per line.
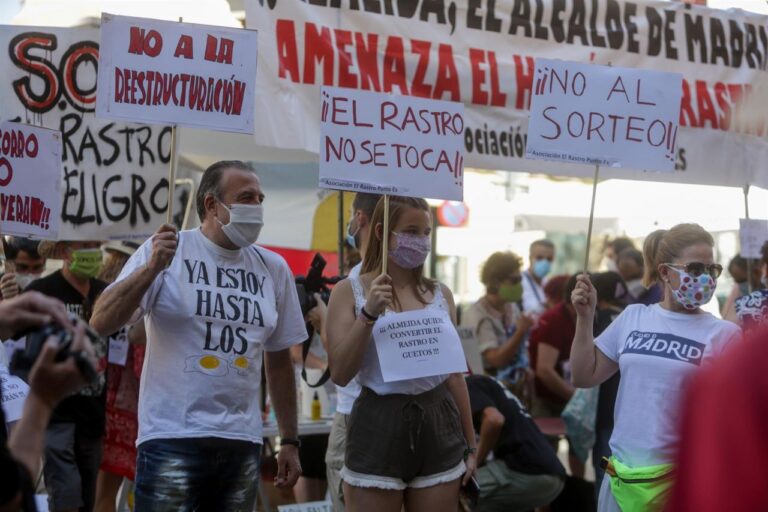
<point x="410" y="443"/>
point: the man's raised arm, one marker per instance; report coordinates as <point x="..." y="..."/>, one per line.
<point x="117" y="305"/>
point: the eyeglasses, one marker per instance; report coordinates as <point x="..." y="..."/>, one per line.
<point x="696" y="269"/>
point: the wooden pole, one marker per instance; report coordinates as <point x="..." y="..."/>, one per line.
<point x="341" y="232"/>
<point x="385" y="237"/>
<point x="749" y="260"/>
<point x="172" y="175"/>
<point x="591" y="218"/>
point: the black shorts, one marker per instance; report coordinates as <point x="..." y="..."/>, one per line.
<point x="399" y="441"/>
<point x="312" y="455"/>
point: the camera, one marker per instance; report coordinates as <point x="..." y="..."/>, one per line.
<point x="23" y="360"/>
<point x="313" y="283"/>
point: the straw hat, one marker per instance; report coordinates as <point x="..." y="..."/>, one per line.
<point x="127" y="247"/>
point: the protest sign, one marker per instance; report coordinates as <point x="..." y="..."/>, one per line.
<point x="113" y="182"/>
<point x="386" y="144"/>
<point x="168" y="72"/>
<point x="600" y="115"/>
<point x="30" y="179"/>
<point x="482" y="53"/>
<point x="753" y="233"/>
<point x="415" y="344"/>
<point x="15" y="393"/>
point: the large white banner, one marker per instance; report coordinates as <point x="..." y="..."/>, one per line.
<point x="482" y="53"/>
<point x="604" y="115"/>
<point x="30" y="172"/>
<point x="386" y="144"/>
<point x="182" y="73"/>
<point x="114" y="182"/>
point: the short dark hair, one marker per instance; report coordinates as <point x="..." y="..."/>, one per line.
<point x="366" y="203"/>
<point x="211" y="181"/>
<point x="13" y="245"/>
<point x="498" y="267"/>
<point x="620" y="244"/>
<point x="570" y="286"/>
<point x="543" y="243"/>
<point x="610" y="286"/>
<point x="738" y="261"/>
<point x="631" y="254"/>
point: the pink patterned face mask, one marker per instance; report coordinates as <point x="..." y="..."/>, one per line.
<point x="410" y="251"/>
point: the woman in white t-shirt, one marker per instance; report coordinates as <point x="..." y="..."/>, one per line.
<point x="657" y="348"/>
<point x="409" y="442"/>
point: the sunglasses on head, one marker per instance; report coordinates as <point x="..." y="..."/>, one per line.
<point x="696" y="269"/>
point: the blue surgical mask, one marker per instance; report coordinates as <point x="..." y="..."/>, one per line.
<point x="541" y="268"/>
<point x="352" y="236"/>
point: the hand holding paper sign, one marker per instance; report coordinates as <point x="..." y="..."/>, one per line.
<point x="379" y="296"/>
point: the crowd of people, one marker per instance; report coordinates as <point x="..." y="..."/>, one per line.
<point x="162" y="381"/>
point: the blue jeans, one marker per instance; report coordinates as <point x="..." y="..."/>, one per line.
<point x="197" y="475"/>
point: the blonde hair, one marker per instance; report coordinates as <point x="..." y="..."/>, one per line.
<point x="373" y="254"/>
<point x="665" y="245"/>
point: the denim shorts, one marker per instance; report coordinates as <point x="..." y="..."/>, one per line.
<point x="399" y="441"/>
<point x="197" y="474"/>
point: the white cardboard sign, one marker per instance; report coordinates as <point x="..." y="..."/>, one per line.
<point x="601" y="115"/>
<point x="153" y="71"/>
<point x="30" y="181"/>
<point x="753" y="233"/>
<point x="386" y="144"/>
<point x="417" y="344"/>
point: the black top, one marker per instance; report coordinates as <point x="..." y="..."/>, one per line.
<point x="610" y="388"/>
<point x="521" y="445"/>
<point x="86" y="408"/>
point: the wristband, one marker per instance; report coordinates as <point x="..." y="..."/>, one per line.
<point x="290" y="441"/>
<point x="468" y="452"/>
<point x="367" y="315"/>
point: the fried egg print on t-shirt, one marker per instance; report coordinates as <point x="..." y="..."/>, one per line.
<point x="207" y="364"/>
<point x="242" y="365"/>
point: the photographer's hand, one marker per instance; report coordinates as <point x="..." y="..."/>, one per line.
<point x="30" y="310"/>
<point x="49" y="382"/>
<point x="316" y="315"/>
<point x="9" y="288"/>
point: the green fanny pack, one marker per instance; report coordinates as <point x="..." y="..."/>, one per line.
<point x="642" y="489"/>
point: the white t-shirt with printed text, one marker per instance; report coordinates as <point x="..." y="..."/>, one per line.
<point x="657" y="351"/>
<point x="210" y="316"/>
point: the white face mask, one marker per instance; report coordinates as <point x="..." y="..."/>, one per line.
<point x="23" y="280"/>
<point x="245" y="223"/>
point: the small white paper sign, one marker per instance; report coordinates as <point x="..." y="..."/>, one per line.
<point x="385" y="144"/>
<point x="15" y="393"/>
<point x="118" y="348"/>
<point x="753" y="233"/>
<point x="155" y="71"/>
<point x="417" y="344"/>
<point x="11" y="346"/>
<point x="617" y="117"/>
<point x="314" y="506"/>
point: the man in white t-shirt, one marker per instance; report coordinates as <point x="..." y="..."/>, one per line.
<point x="357" y="236"/>
<point x="541" y="256"/>
<point x="214" y="305"/>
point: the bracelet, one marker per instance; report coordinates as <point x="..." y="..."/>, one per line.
<point x="367" y="315"/>
<point x="468" y="452"/>
<point x="290" y="441"/>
